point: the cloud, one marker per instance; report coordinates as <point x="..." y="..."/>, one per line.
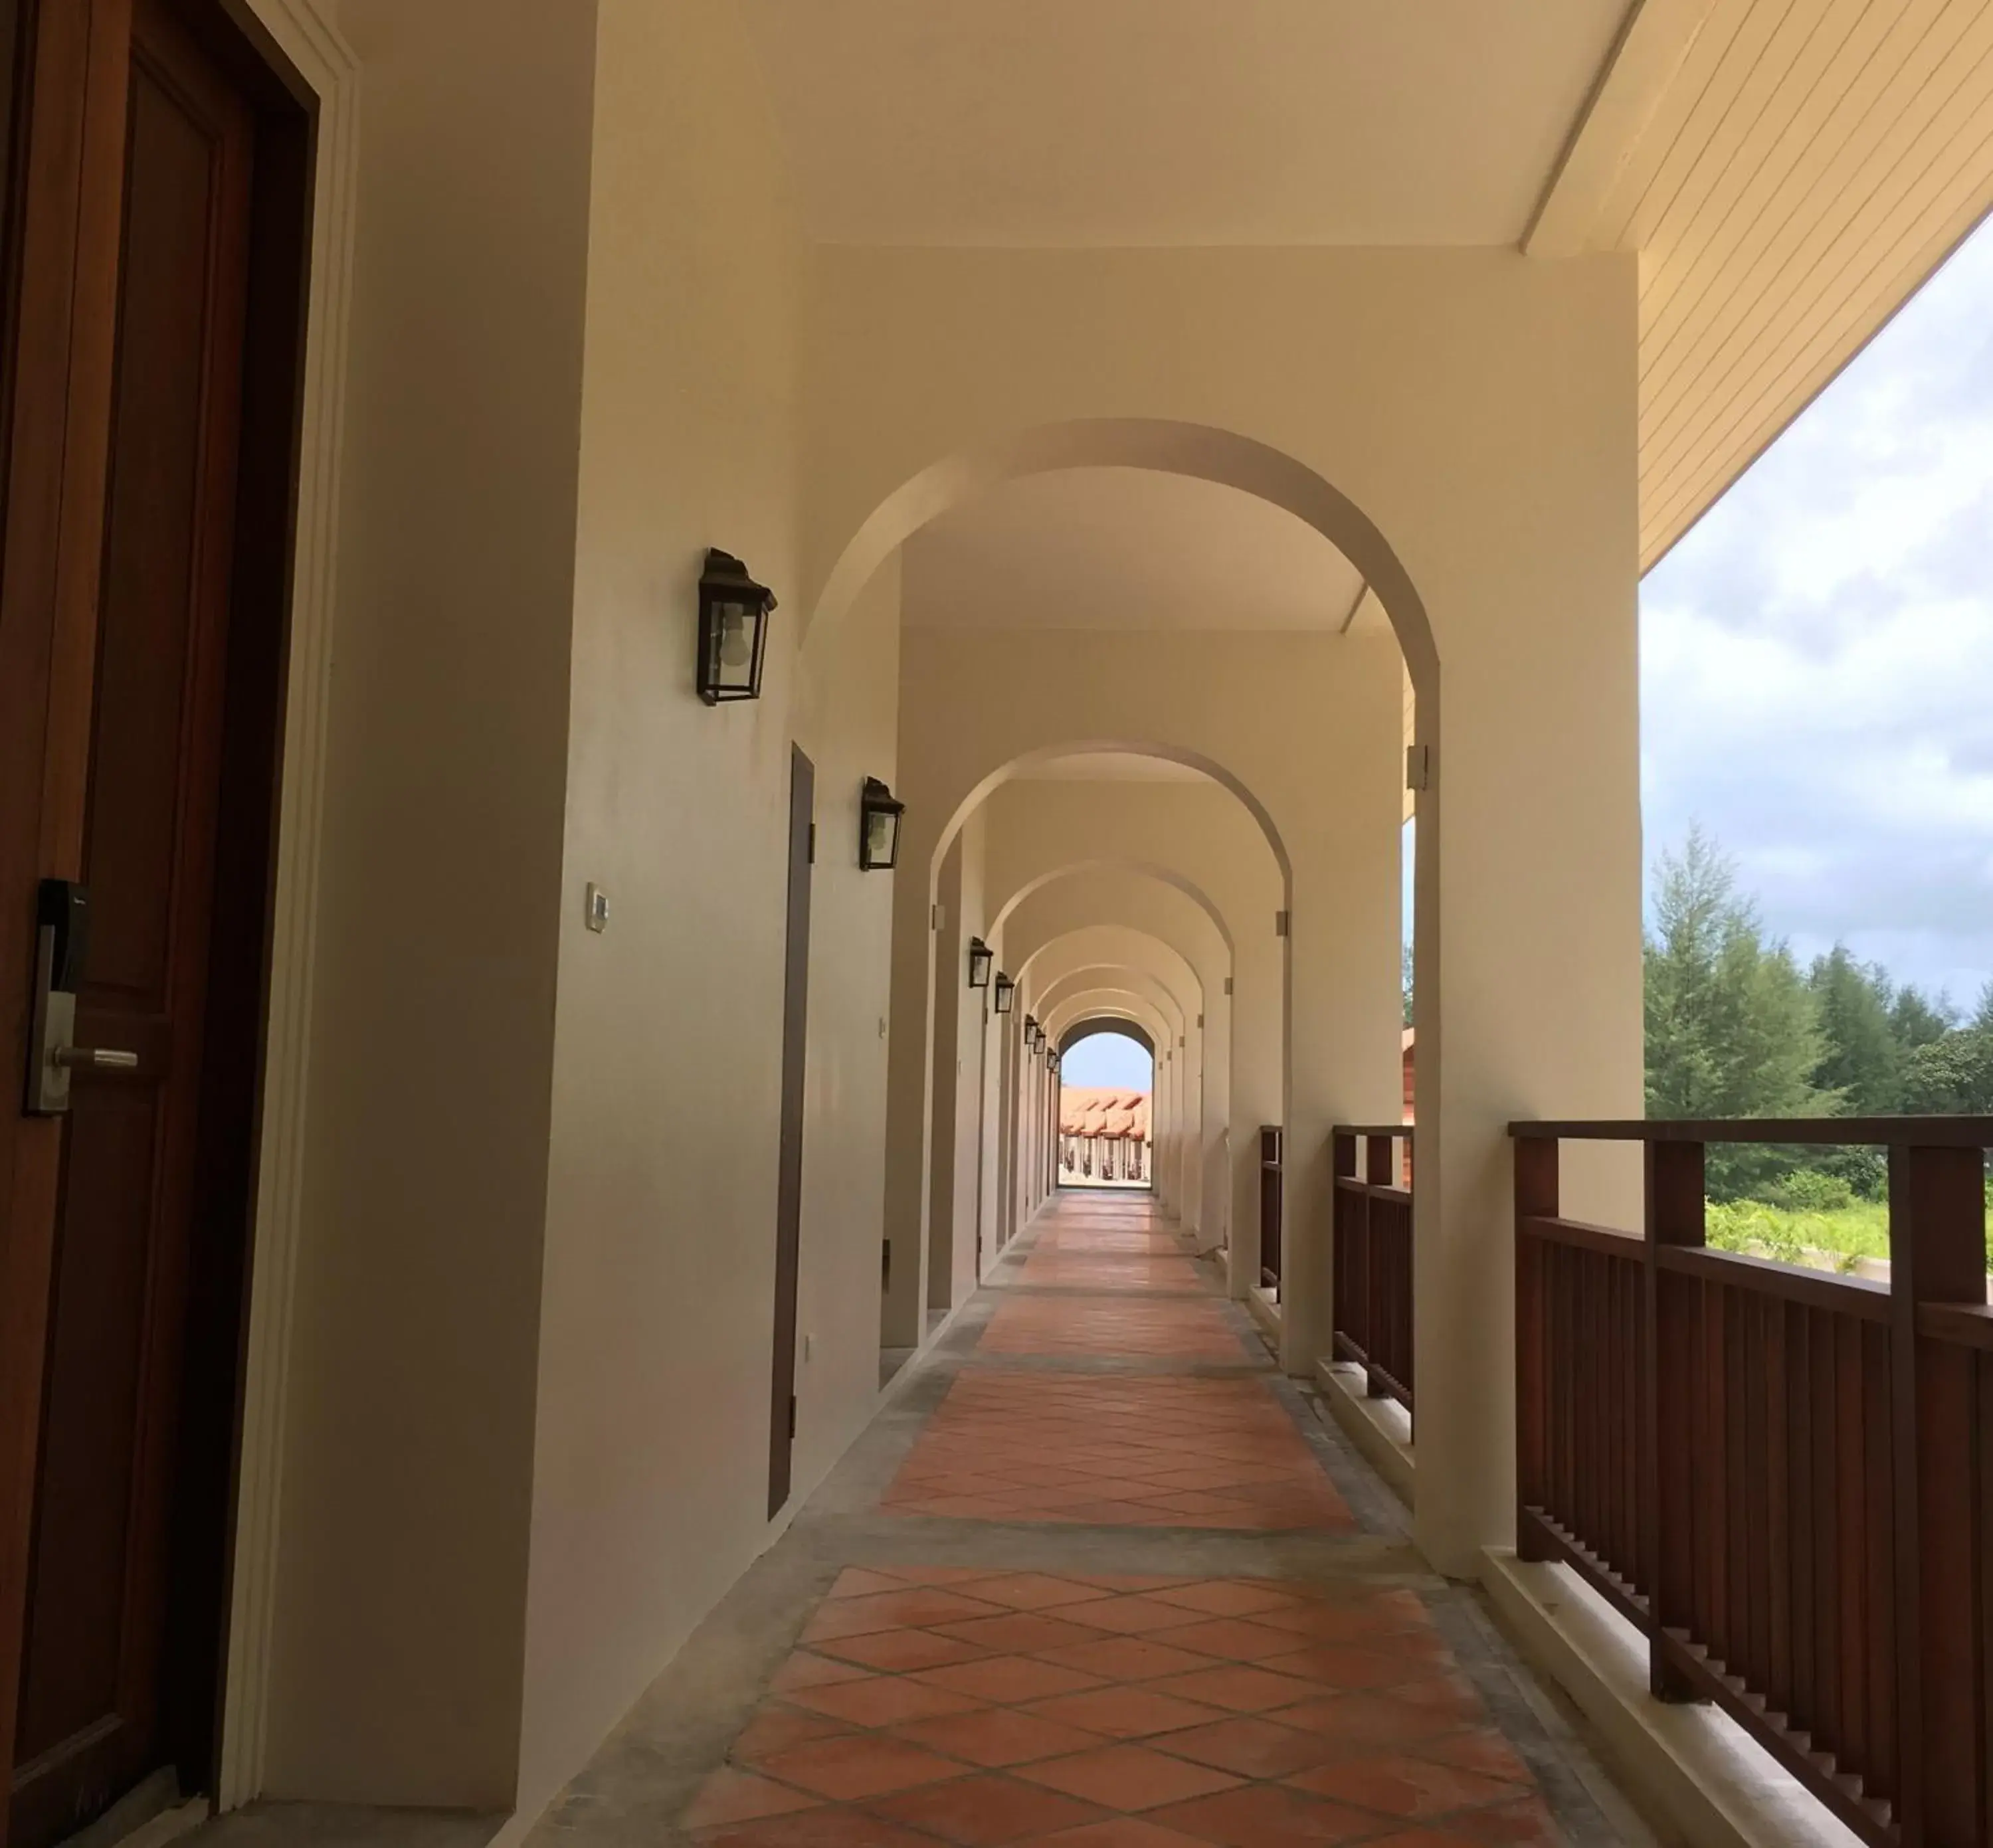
<point x="1817" y="655"/>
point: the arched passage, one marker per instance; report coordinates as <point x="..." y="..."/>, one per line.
<point x="1169" y="446"/>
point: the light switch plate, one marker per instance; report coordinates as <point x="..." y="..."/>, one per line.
<point x="598" y="907"/>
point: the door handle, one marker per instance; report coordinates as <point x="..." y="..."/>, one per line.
<point x="62" y="938"/>
<point x="93" y="1058"/>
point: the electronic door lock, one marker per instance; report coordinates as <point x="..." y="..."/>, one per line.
<point x="62" y="943"/>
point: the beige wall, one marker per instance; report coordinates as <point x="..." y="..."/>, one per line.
<point x="541" y="1213"/>
<point x="651" y="1467"/>
<point x="395" y="1673"/>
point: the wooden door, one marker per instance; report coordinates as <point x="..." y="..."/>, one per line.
<point x="156" y="708"/>
<point x="789" y="1182"/>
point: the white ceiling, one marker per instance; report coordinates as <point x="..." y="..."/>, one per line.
<point x="1177" y="122"/>
<point x="1124" y="549"/>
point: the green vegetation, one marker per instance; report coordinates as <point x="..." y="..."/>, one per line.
<point x="1736" y="1028"/>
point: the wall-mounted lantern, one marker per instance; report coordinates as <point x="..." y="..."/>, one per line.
<point x="733" y="612"/>
<point x="1034" y="1034"/>
<point x="980" y="957"/>
<point x="1053" y="1062"/>
<point x="878" y="827"/>
<point x="1005" y="993"/>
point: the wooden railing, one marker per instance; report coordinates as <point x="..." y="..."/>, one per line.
<point x="1784" y="1477"/>
<point x="1269" y="1207"/>
<point x="1372" y="1281"/>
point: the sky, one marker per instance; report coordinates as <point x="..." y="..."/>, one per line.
<point x="1817" y="657"/>
<point x="1107" y="1059"/>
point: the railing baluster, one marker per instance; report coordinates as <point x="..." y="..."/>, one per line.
<point x="1674" y="1217"/>
<point x="1937" y="1235"/>
<point x="1377" y="1173"/>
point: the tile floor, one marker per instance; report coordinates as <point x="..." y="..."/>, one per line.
<point x="997" y="1707"/>
<point x="1150" y="1451"/>
<point x="1053" y="1326"/>
<point x="1096" y="1576"/>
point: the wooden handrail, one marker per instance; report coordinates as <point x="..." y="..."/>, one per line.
<point x="1832" y="1131"/>
<point x="1861" y="1297"/>
<point x="1784" y="1476"/>
<point x="1393" y="1130"/>
<point x="1605" y="1239"/>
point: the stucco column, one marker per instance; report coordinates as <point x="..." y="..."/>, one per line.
<point x="1344" y="994"/>
<point x="952" y="1053"/>
<point x="1258" y="1057"/>
<point x="909" y="1080"/>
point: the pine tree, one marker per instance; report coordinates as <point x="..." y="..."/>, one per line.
<point x="1861" y="1053"/>
<point x="1918" y="1021"/>
<point x="1732" y="1028"/>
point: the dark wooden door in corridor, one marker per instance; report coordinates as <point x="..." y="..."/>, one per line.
<point x="142" y="639"/>
<point x="789" y="1173"/>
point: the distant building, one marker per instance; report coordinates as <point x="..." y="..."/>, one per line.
<point x="1104" y="1136"/>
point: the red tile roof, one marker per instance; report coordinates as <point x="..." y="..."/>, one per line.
<point x="1101" y="1110"/>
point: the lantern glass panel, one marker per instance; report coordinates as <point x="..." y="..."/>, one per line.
<point x="882" y="837"/>
<point x="1007" y="992"/>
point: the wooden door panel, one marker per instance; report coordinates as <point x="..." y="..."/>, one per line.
<point x="89" y="1722"/>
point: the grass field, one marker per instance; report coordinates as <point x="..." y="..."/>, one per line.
<point x="1835" y="1238"/>
<point x="1841" y="1234"/>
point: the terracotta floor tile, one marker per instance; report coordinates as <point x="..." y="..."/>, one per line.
<point x="1265" y="1815"/>
<point x="1124" y="1713"/>
<point x="1020" y="1632"/>
<point x="1128" y="1777"/>
<point x="1234" y="1639"/>
<point x="859" y="1766"/>
<point x="1249" y="1747"/>
<point x="1481" y="1749"/>
<point x="1012" y="1679"/>
<point x="1367" y="1722"/>
<point x="824" y="1828"/>
<point x="884" y="1700"/>
<point x="1033" y="1591"/>
<point x="897" y="1650"/>
<point x="1121" y="1831"/>
<point x="1126" y="1659"/>
<point x="729" y="1796"/>
<point x="1124" y="1581"/>
<point x="986" y="1811"/>
<point x="997" y="1736"/>
<point x="903" y="1606"/>
<point x="1346" y="1665"/>
<point x="1238" y="1688"/>
<point x="1230" y="1598"/>
<point x="1415" y="1788"/>
<point x="1127" y="1616"/>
